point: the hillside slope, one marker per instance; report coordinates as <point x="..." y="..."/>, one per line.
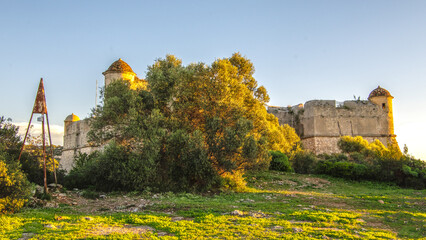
<point x="274" y="206"/>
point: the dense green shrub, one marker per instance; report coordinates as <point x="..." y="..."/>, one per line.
<point x="84" y="172"/>
<point x="190" y="169"/>
<point x="362" y="160"/>
<point x="374" y="161"/>
<point x="348" y="170"/>
<point x="183" y="167"/>
<point x="14" y="186"/>
<point x="279" y="162"/>
<point x="304" y="162"/>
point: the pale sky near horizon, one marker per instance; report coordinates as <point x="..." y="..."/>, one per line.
<point x="302" y="50"/>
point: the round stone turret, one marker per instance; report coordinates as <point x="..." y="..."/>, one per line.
<point x="382" y="98"/>
<point x="119" y="70"/>
<point x="72" y="118"/>
<point x="68" y="120"/>
<point x="379" y="92"/>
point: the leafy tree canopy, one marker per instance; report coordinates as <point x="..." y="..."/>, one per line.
<point x="191" y="116"/>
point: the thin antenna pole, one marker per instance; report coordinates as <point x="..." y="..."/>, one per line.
<point x="51" y="149"/>
<point x="44" y="157"/>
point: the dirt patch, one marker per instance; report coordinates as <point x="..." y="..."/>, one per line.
<point x="285" y="182"/>
<point x="107" y="230"/>
<point x="314" y="183"/>
<point x="104" y="204"/>
<point x="373" y="222"/>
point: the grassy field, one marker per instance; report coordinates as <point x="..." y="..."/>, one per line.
<point x="274" y="206"/>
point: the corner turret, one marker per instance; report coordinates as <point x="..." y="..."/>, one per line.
<point x="119" y="70"/>
<point x="382" y="98"/>
<point x="68" y="120"/>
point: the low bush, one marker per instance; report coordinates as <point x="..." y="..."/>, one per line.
<point x="304" y="162"/>
<point x="84" y="172"/>
<point x="348" y="170"/>
<point x="280" y="162"/>
<point x="368" y="161"/>
<point x="14" y="187"/>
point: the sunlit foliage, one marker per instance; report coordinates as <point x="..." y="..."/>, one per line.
<point x="361" y="160"/>
<point x="207" y="118"/>
<point x="14" y="186"/>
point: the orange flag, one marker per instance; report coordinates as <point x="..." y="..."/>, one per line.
<point x="40" y="101"/>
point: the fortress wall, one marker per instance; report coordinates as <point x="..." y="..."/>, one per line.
<point x="75" y="140"/>
<point x="322" y="122"/>
<point x="328" y="145"/>
<point x="320" y="145"/>
<point x="353" y="118"/>
<point x="284" y="115"/>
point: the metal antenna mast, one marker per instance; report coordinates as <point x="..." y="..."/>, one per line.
<point x="40" y="108"/>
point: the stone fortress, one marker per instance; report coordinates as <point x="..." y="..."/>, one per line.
<point x="319" y="123"/>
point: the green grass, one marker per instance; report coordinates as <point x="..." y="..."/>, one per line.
<point x="274" y="206"/>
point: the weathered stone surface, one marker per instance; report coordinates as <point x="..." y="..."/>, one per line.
<point x="321" y="123"/>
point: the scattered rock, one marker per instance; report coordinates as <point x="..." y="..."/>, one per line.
<point x="268" y="197"/>
<point x="134" y="209"/>
<point x="156" y="196"/>
<point x="50" y="226"/>
<point x="237" y="213"/>
<point x="277" y="228"/>
<point x="39" y="189"/>
<point x="54" y="185"/>
<point x="51" y="205"/>
<point x="161" y="234"/>
<point x="102" y="196"/>
<point x="258" y="214"/>
<point x="360" y="220"/>
<point x="26" y="236"/>
<point x="297" y="230"/>
<point x="381" y="202"/>
<point x="174" y="219"/>
<point x="121" y="207"/>
<point x="146" y="228"/>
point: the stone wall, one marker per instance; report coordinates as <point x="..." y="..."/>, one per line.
<point x="75" y="141"/>
<point x="353" y="118"/>
<point x="321" y="123"/>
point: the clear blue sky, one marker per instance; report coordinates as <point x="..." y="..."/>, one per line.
<point x="302" y="50"/>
